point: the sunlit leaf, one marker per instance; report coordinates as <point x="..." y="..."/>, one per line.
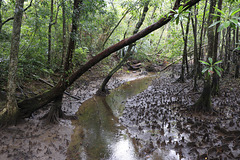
<point x="204" y="70"/>
<point x="217" y="62"/>
<point x="218" y="73"/>
<point x="234" y="12"/>
<point x="210" y="60"/>
<point x="234" y="21"/>
<point x="218" y="68"/>
<point x="226" y="24"/>
<point x="215" y="23"/>
<point x="219" y="11"/>
<point x="220" y="28"/>
<point x="203" y="62"/>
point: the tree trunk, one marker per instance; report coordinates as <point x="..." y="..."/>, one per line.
<point x="64" y="32"/>
<point x="73" y="34"/>
<point x="237" y="57"/>
<point x="56" y="110"/>
<point x="12" y="18"/>
<point x="184" y="59"/>
<point x="227" y="51"/>
<point x="194" y="26"/>
<point x="103" y="91"/>
<point x="115" y="69"/>
<point x="27" y="107"/>
<point x="204" y="102"/>
<point x="215" y="81"/>
<point x="11" y="111"/>
<point x="50" y="34"/>
<point x="201" y="39"/>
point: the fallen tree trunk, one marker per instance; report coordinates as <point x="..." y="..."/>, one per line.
<point x="51" y="85"/>
<point x="28" y="106"/>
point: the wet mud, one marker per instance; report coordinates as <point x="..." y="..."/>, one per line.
<point x="162" y="124"/>
<point x="156" y="124"/>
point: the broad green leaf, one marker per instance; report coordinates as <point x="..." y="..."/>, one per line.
<point x="204" y="70"/>
<point x="220" y="28"/>
<point x="234" y="11"/>
<point x="215" y="23"/>
<point x="217" y="15"/>
<point x="219" y="11"/>
<point x="203" y="62"/>
<point x="226" y="24"/>
<point x="210" y="60"/>
<point x="218" y="68"/>
<point x="173" y="10"/>
<point x="180" y="9"/>
<point x="234" y="21"/>
<point x="217" y="62"/>
<point x="219" y="74"/>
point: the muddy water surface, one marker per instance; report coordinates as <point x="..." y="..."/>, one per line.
<point x="97" y="133"/>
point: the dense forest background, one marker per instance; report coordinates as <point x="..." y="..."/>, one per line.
<point x="58" y="37"/>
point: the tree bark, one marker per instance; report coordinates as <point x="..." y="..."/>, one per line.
<point x="39" y="101"/>
<point x="194" y="26"/>
<point x="201" y="39"/>
<point x="72" y="40"/>
<point x="204" y="103"/>
<point x="238" y="56"/>
<point x="11" y="110"/>
<point x="50" y="34"/>
<point x="184" y="59"/>
<point x="56" y="110"/>
<point x="215" y="81"/>
<point x="64" y="32"/>
<point x="227" y="51"/>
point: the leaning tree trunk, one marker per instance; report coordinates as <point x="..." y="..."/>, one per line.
<point x="215" y="81"/>
<point x="204" y="103"/>
<point x="103" y="89"/>
<point x="56" y="110"/>
<point x="9" y="114"/>
<point x="27" y="107"/>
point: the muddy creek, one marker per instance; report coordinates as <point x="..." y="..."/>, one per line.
<point x="97" y="133"/>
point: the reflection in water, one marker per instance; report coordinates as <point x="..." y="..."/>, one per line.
<point x="97" y="133"/>
<point x="123" y="150"/>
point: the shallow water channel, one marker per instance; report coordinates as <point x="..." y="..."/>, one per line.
<point x="97" y="133"/>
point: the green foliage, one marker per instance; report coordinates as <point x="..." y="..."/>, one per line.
<point x="180" y="14"/>
<point x="227" y="19"/>
<point x="80" y="55"/>
<point x="211" y="67"/>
